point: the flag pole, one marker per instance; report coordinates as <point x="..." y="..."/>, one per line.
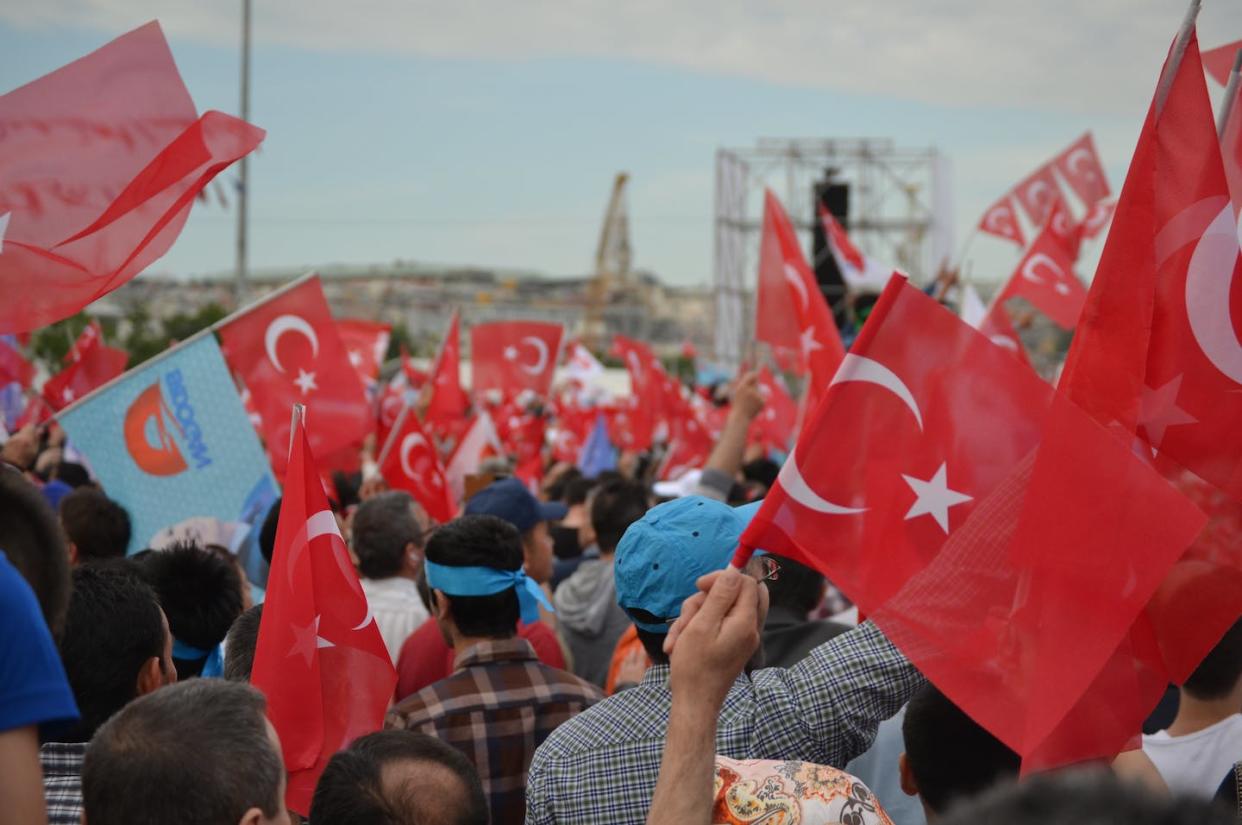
<point x="1175" y="55"/>
<point x="392" y="434"/>
<point x="299" y="412"/>
<point x="1231" y="92"/>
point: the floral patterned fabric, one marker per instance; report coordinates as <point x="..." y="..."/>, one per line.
<point x="766" y="792"/>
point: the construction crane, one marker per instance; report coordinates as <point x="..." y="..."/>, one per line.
<point x="612" y="264"/>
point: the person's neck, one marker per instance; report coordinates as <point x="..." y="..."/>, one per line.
<point x="1194" y="715"/>
<point x="462" y="643"/>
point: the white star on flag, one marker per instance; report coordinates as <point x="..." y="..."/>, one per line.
<point x="307" y="640"/>
<point x="510" y="353"/>
<point x="305" y="381"/>
<point x="355" y="358"/>
<point x="809" y="344"/>
<point x="934" y="497"/>
<point x="67" y="394"/>
<point x="1158" y="411"/>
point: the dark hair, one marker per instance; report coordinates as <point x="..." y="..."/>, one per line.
<point x="614" y="508"/>
<point x="72" y="473"/>
<point x="1084" y="797"/>
<point x="577" y="489"/>
<point x="241" y="641"/>
<point x="1220" y="670"/>
<point x="112" y="629"/>
<point x="653" y="643"/>
<point x="480" y="541"/>
<point x="352" y="790"/>
<point x="97" y="525"/>
<point x="197" y="751"/>
<point x="798" y="588"/>
<point x="31" y="538"/>
<point x="762" y="470"/>
<point x="559" y="490"/>
<point x="383" y="526"/>
<point x="951" y="755"/>
<point x="267" y="533"/>
<point x="200" y="593"/>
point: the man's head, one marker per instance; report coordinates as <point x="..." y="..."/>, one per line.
<point x="1219" y="673"/>
<point x="949" y="756"/>
<point x="267" y="533"/>
<point x="240" y="644"/>
<point x="200" y="751"/>
<point x="96" y="526"/>
<point x="664" y="553"/>
<point x="798" y="589"/>
<point x="398" y="777"/>
<point x="480" y="542"/>
<point x="614" y="507"/>
<point x="201" y="595"/>
<point x="32" y="540"/>
<point x="386" y="537"/>
<point x="510" y="501"/>
<point x="116" y="645"/>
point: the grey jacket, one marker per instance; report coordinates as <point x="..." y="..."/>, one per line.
<point x="589" y="619"/>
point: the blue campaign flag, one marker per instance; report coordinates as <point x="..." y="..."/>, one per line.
<point x="169" y="440"/>
<point x="597" y="454"/>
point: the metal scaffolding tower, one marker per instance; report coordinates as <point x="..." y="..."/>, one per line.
<point x="900" y="212"/>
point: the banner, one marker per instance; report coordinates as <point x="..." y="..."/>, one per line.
<point x="171" y="441"/>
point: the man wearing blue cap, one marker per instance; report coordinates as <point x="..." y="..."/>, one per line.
<point x="501" y="702"/>
<point x="602" y="765"/>
<point x="509" y="500"/>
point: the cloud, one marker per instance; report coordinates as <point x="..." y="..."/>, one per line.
<point x="1060" y="55"/>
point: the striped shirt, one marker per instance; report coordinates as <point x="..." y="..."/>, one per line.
<point x="62" y="781"/>
<point x="497" y="707"/>
<point x="602" y="766"/>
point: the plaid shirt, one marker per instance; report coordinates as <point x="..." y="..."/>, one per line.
<point x="62" y="781"/>
<point x="602" y="766"/>
<point x="497" y="707"/>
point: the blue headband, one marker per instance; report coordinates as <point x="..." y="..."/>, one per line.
<point x="487" y="581"/>
<point x="212" y="668"/>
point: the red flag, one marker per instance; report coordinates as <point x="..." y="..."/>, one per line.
<point x="410" y="463"/>
<point x="97" y="364"/>
<point x="923" y="500"/>
<point x="632" y="426"/>
<point x="1097" y="217"/>
<point x="774" y="426"/>
<point x="1064" y="230"/>
<point x="1046" y="278"/>
<point x="448" y="400"/>
<point x="1080" y="165"/>
<point x="512" y="356"/>
<point x="1038" y="194"/>
<point x="858" y="269"/>
<point x="319" y="659"/>
<point x="1231" y="147"/>
<point x="1002" y="221"/>
<point x="478" y="443"/>
<point x="99" y="166"/>
<point x="366" y="343"/>
<point x="91" y="335"/>
<point x="14" y="367"/>
<point x="287" y="351"/>
<point x="992" y="321"/>
<point x="1218" y="62"/>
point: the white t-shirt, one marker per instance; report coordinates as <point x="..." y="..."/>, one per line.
<point x="397" y="610"/>
<point x="1196" y="763"/>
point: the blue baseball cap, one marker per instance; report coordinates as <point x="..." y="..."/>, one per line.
<point x="509" y="500"/>
<point x="662" y="555"/>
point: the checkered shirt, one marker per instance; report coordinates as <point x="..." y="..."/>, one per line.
<point x="497" y="707"/>
<point x="602" y="766"/>
<point x="62" y="781"/>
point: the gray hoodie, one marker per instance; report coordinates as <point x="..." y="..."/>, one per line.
<point x="589" y="618"/>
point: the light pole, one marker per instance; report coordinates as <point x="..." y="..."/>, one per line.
<point x="244" y="179"/>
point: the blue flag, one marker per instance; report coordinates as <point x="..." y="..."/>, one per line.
<point x="170" y="440"/>
<point x="597" y="454"/>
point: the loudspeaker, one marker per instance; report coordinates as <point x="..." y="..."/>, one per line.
<point x="835" y="197"/>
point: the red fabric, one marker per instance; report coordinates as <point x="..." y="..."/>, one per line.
<point x="1231" y="148"/>
<point x="997" y="569"/>
<point x="774" y="426"/>
<point x="366" y="343"/>
<point x="1080" y="166"/>
<point x="97" y="364"/>
<point x="1046" y="278"/>
<point x="1097" y="218"/>
<point x="512" y="356"/>
<point x="1037" y="194"/>
<point x="1064" y="230"/>
<point x="449" y="401"/>
<point x="999" y="330"/>
<point x="840" y="240"/>
<point x="14" y="367"/>
<point x="102" y="160"/>
<point x="426" y="658"/>
<point x="287" y="351"/>
<point x="90" y="335"/>
<point x="1218" y="62"/>
<point x="633" y="424"/>
<point x="1002" y="221"/>
<point x="319" y="659"/>
<point x="412" y="464"/>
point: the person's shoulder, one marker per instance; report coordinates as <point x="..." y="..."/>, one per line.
<point x="627" y="717"/>
<point x="429" y="703"/>
<point x="569" y="685"/>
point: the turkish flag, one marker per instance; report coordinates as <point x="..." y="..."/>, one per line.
<point x="366" y="344"/>
<point x="409" y="462"/>
<point x="97" y="364"/>
<point x="1231" y="147"/>
<point x="14" y="367"/>
<point x="1097" y="218"/>
<point x="512" y="356"/>
<point x="859" y="270"/>
<point x="633" y="425"/>
<point x="1218" y="62"/>
<point x="774" y="426"/>
<point x="1046" y="278"/>
<point x="287" y="351"/>
<point x="449" y="401"/>
<point x="993" y="322"/>
<point x="966" y="522"/>
<point x="478" y="443"/>
<point x="1001" y="220"/>
<point x="1080" y="166"/>
<point x="100" y="162"/>
<point x="395" y="397"/>
<point x="1038" y="193"/>
<point x="90" y="335"/>
<point x="319" y="658"/>
<point x="1064" y="230"/>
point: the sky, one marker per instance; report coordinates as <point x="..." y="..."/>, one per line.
<point x="488" y="133"/>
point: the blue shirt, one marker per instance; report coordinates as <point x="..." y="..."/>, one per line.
<point x="33" y="686"/>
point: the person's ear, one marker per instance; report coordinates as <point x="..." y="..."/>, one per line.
<point x="908" y="785"/>
<point x="150" y="676"/>
<point x="73" y="553"/>
<point x="440" y="605"/>
<point x="254" y="816"/>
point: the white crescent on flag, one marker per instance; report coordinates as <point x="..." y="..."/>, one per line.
<point x="4" y="227"/>
<point x="283" y="324"/>
<point x="794" y="278"/>
<point x="407" y="445"/>
<point x="866" y="370"/>
<point x="541" y="350"/>
<point x="1209" y="281"/>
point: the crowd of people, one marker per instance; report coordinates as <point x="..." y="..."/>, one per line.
<point x="581" y="655"/>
